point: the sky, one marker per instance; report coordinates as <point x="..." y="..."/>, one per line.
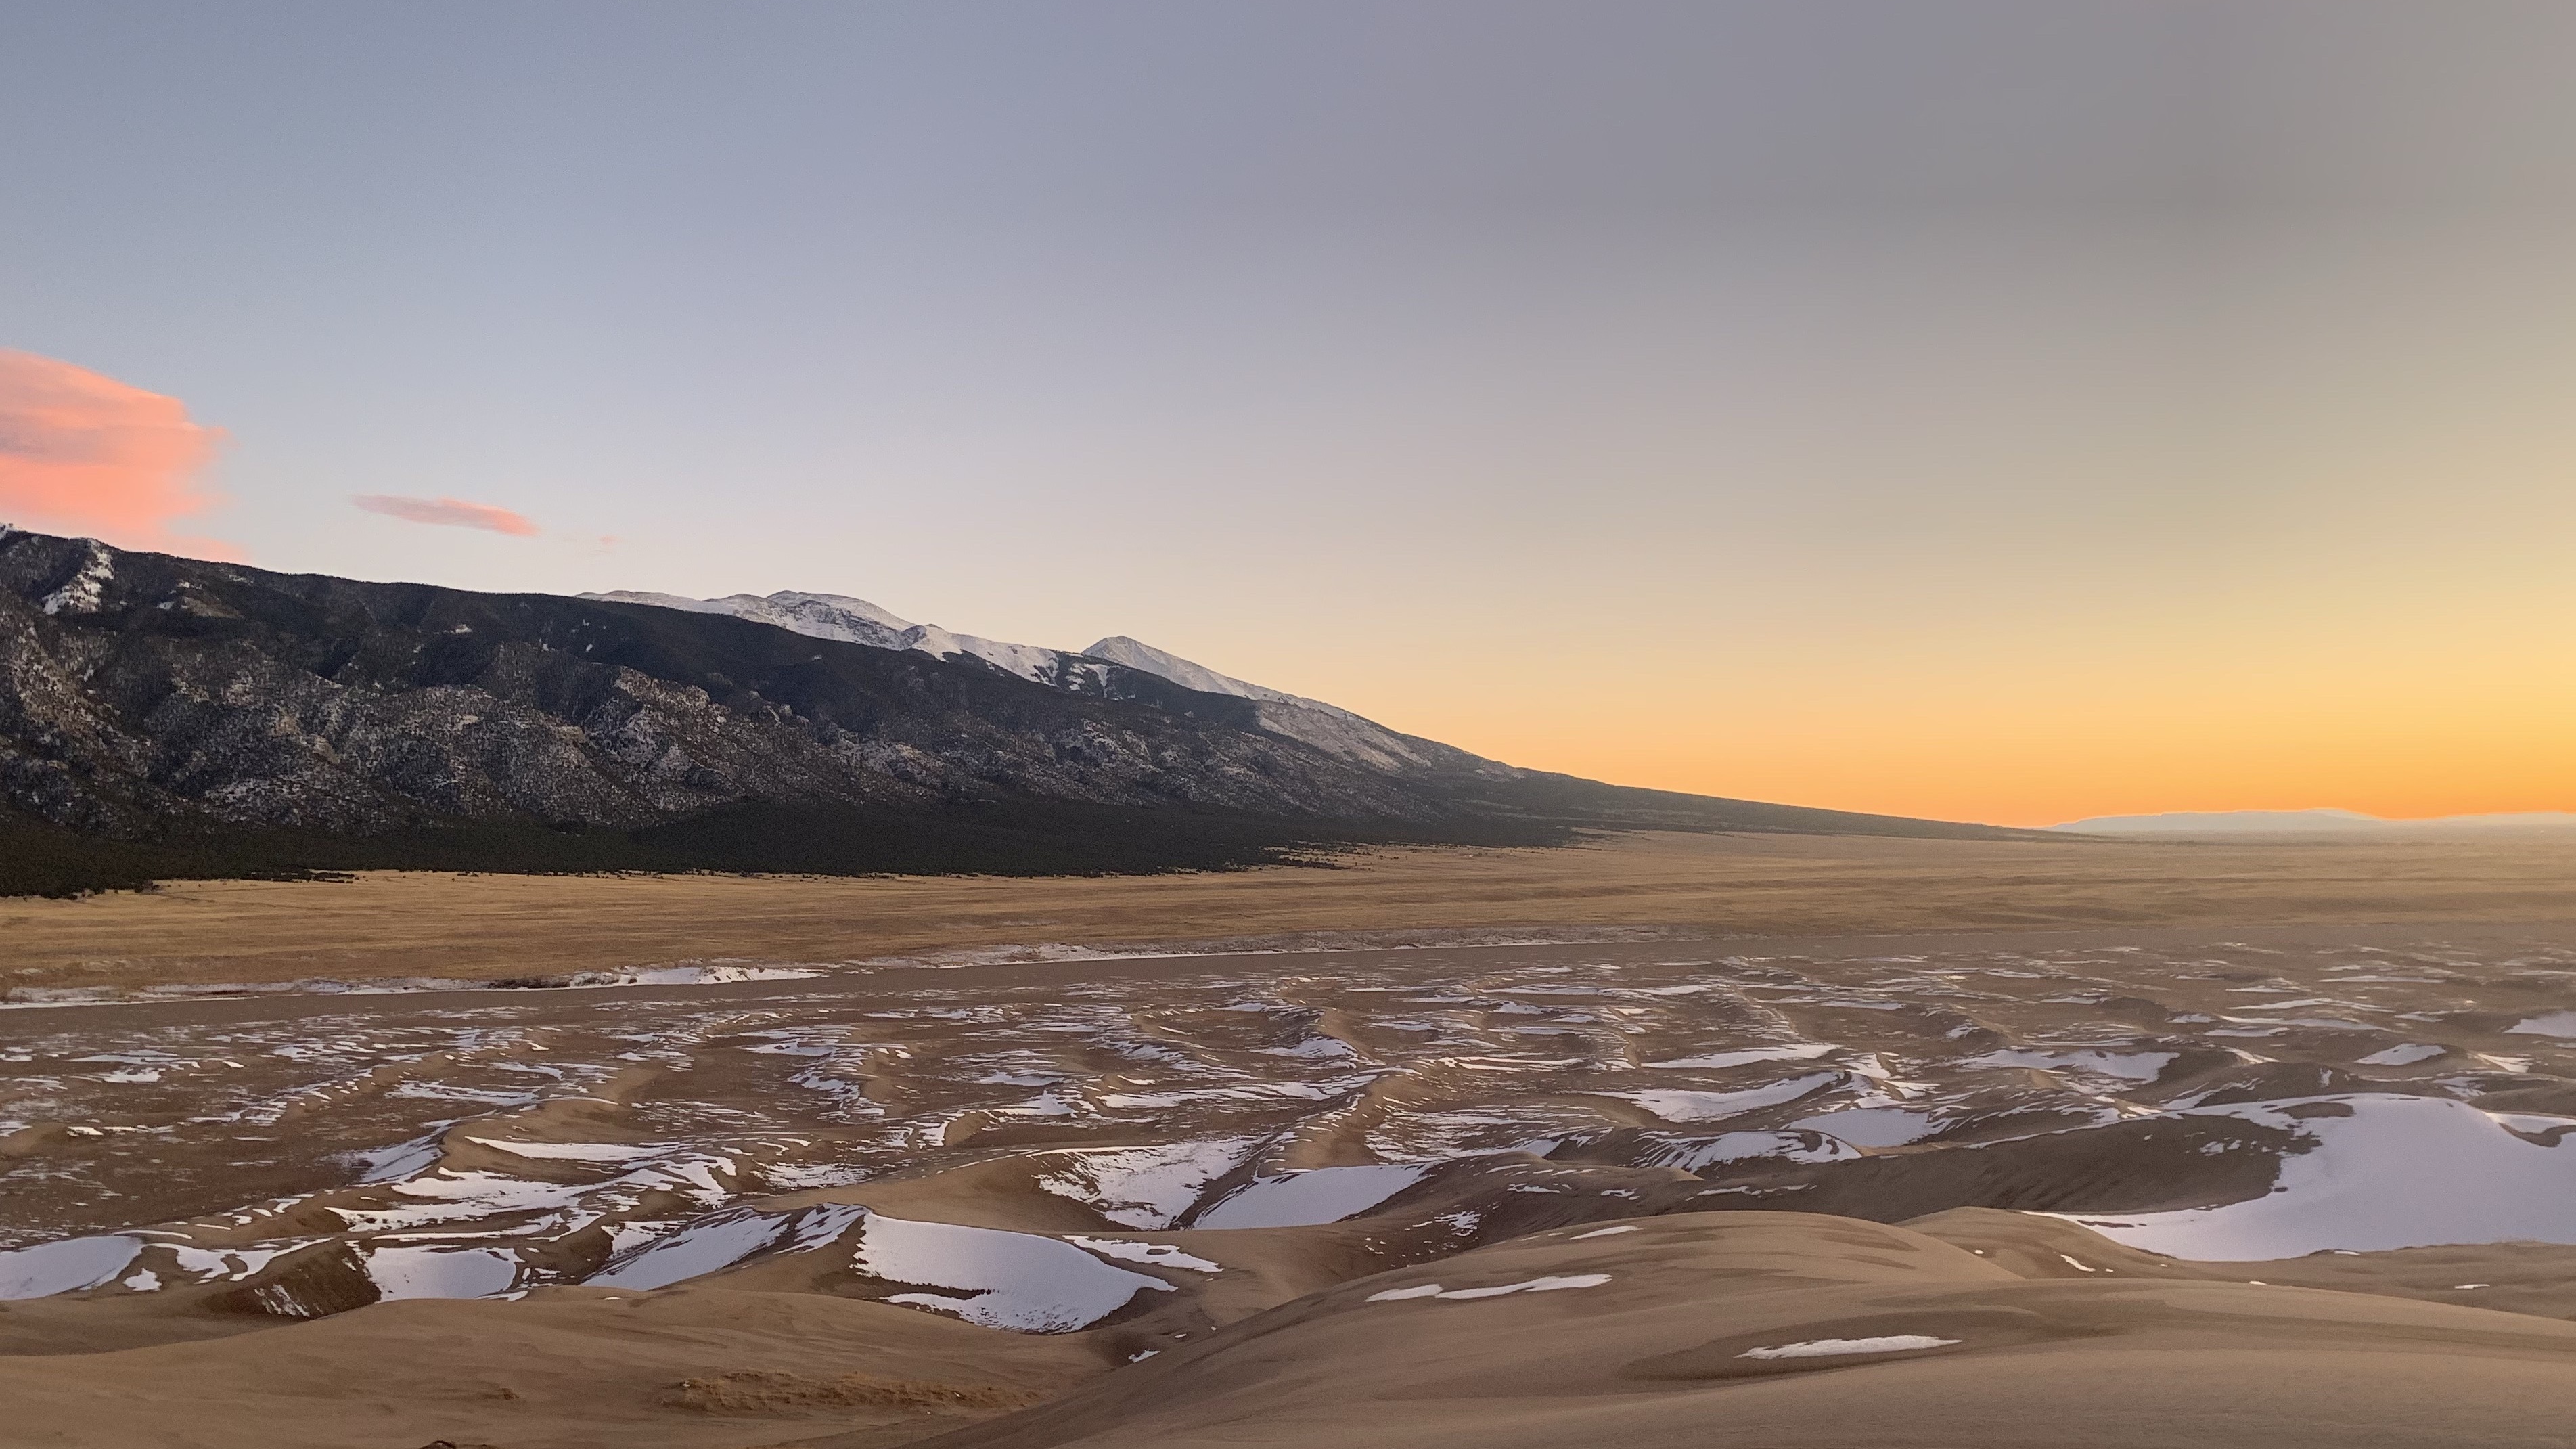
<point x="2008" y="410"/>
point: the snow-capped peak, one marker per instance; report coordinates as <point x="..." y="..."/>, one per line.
<point x="1330" y="728"/>
<point x="856" y="621"/>
<point x="836" y="609"/>
<point x="1137" y="654"/>
<point x="823" y="616"/>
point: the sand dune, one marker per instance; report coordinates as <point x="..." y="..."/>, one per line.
<point x="2259" y="1185"/>
<point x="1796" y="1329"/>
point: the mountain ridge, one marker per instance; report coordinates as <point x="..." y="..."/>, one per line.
<point x="1327" y="727"/>
<point x="317" y="722"/>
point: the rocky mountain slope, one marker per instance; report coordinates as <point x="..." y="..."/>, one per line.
<point x="174" y="703"/>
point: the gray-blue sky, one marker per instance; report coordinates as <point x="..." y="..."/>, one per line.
<point x="1374" y="350"/>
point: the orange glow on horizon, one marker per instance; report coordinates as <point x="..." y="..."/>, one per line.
<point x="2447" y="714"/>
<point x="1984" y="766"/>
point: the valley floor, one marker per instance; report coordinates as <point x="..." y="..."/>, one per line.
<point x="485" y="927"/>
<point x="1664" y="1140"/>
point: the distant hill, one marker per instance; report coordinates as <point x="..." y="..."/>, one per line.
<point x="2317" y="822"/>
<point x="164" y="717"/>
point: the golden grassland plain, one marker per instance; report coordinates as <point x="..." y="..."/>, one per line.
<point x="486" y="927"/>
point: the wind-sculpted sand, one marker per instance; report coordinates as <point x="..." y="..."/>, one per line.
<point x="2262" y="1186"/>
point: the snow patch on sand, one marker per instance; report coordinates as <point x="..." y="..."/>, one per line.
<point x="1161" y="1255"/>
<point x="1244" y="1092"/>
<point x="2127" y="1066"/>
<point x="2386" y="1172"/>
<point x="1793" y="1052"/>
<point x="391" y="1164"/>
<point x="405" y="1271"/>
<point x="721" y="1241"/>
<point x="1144" y="1187"/>
<point x="1691" y="1155"/>
<point x="1869" y="1126"/>
<point x="65" y="1266"/>
<point x="1304" y="1199"/>
<point x="1534" y="1285"/>
<point x="566" y="1151"/>
<point x="1674" y="1105"/>
<point x="1018" y="1281"/>
<point x="230" y="1264"/>
<point x="2404" y="1056"/>
<point x="1829" y="1347"/>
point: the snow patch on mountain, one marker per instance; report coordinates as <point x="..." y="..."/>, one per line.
<point x="87" y="587"/>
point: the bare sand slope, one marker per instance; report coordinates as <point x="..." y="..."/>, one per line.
<point x="1756" y="1328"/>
<point x="488" y="927"/>
<point x="1797" y="1330"/>
<point x="572" y="1369"/>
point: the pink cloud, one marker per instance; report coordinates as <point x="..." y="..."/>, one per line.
<point x="82" y="453"/>
<point x="450" y="512"/>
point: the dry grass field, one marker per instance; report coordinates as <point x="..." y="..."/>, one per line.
<point x="490" y="927"/>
